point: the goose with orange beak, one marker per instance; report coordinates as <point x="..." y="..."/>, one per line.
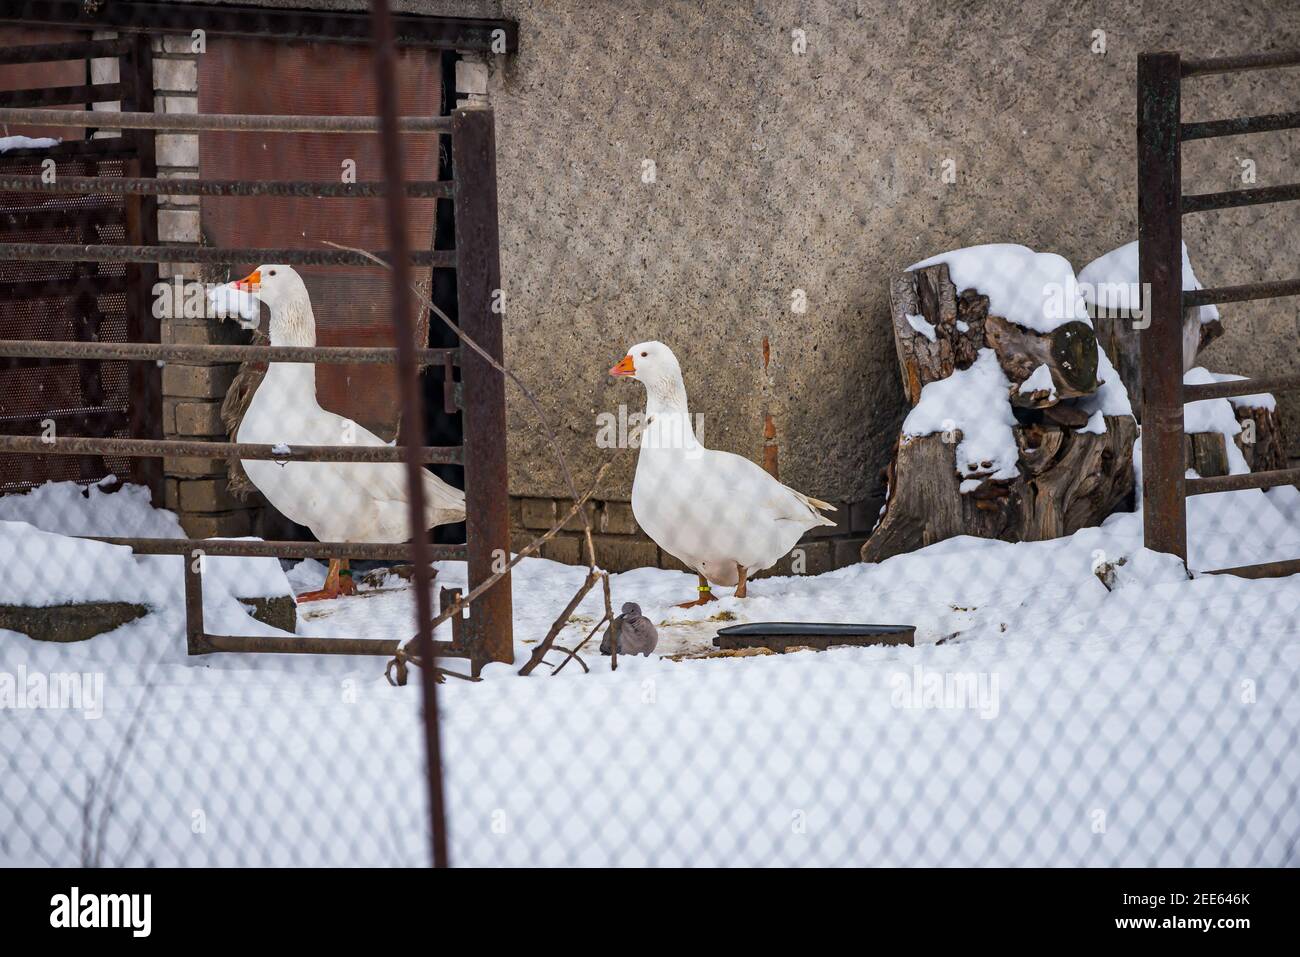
<point x="338" y="501"/>
<point x="717" y="513"/>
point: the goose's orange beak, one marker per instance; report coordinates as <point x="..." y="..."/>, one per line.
<point x="251" y="282"/>
<point x="624" y="367"/>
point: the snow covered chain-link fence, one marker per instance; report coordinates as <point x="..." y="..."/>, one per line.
<point x="1081" y="700"/>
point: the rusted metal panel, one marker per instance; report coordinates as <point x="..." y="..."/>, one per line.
<point x="494" y="35"/>
<point x="478" y="285"/>
<point x="1203" y="202"/>
<point x="229" y="122"/>
<point x="74" y="50"/>
<point x="1243" y="293"/>
<point x="1241" y="63"/>
<point x="96" y="252"/>
<point x="155" y="352"/>
<point x="412" y="410"/>
<point x="278" y="549"/>
<point x="65" y="95"/>
<point x="137" y="448"/>
<point x="1234" y="387"/>
<point x="1164" y="506"/>
<point x="1240" y="125"/>
<point x="219" y="187"/>
<point x="142" y="324"/>
<point x="1248" y="480"/>
<point x="1280" y="569"/>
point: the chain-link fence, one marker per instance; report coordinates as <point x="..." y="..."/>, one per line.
<point x="1013" y="679"/>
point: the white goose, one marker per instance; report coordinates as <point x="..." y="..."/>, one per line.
<point x="716" y="512"/>
<point x="338" y="501"/>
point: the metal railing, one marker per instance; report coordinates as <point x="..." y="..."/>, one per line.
<point x="1161" y="206"/>
<point x="483" y="634"/>
<point x="486" y="632"/>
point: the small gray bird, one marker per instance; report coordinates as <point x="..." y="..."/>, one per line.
<point x="635" y="632"/>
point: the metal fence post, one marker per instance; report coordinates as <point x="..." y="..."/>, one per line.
<point x="412" y="410"/>
<point x="1160" y="236"/>
<point x="478" y="289"/>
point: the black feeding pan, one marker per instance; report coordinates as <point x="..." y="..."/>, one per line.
<point x="782" y="635"/>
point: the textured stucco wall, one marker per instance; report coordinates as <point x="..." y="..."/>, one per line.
<point x="822" y="172"/>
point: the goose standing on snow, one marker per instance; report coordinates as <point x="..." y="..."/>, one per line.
<point x="716" y="512"/>
<point x="338" y="501"/>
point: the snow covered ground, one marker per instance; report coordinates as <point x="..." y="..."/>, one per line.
<point x="1156" y="723"/>
<point x="1041" y="719"/>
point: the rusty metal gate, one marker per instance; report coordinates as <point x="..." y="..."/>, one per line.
<point x="481" y="619"/>
<point x="1161" y="206"/>
<point x="79" y="301"/>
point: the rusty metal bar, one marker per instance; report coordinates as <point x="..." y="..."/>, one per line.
<point x="26" y="220"/>
<point x="1235" y="387"/>
<point x="53" y="52"/>
<point x="63" y="95"/>
<point x="41" y="349"/>
<point x="143" y="324"/>
<point x="274" y="644"/>
<point x="408" y="379"/>
<point x="135" y="186"/>
<point x="223" y="122"/>
<point x="1164" y="505"/>
<point x="1241" y="63"/>
<point x="342" y="26"/>
<point x="1202" y="202"/>
<point x="1280" y="569"/>
<point x="193" y="604"/>
<point x="161" y="448"/>
<point x="304" y="645"/>
<point x="65" y="252"/>
<point x="1240" y="483"/>
<point x="1244" y="293"/>
<point x="367" y="551"/>
<point x="1240" y="125"/>
<point x="478" y="282"/>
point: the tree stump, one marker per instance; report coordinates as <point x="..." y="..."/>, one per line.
<point x="1261" y="440"/>
<point x="1120" y="335"/>
<point x="1068" y="478"/>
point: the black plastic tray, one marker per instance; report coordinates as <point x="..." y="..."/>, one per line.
<point x="782" y="635"/>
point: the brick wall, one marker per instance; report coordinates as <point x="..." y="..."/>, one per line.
<point x="621" y="545"/>
<point x="195" y="488"/>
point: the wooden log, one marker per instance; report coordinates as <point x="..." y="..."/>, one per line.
<point x="1068" y="480"/>
<point x="1207" y="453"/>
<point x="1120" y="335"/>
<point x="1069" y="351"/>
<point x="927" y="298"/>
<point x="1262" y="439"/>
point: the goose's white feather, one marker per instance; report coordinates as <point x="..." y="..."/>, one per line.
<point x="711" y="510"/>
<point x="338" y="501"/>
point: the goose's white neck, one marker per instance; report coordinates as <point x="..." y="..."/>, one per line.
<point x="668" y="418"/>
<point x="293" y="324"/>
<point x="665" y="394"/>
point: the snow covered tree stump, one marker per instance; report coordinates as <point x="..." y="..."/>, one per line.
<point x="1017" y="436"/>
